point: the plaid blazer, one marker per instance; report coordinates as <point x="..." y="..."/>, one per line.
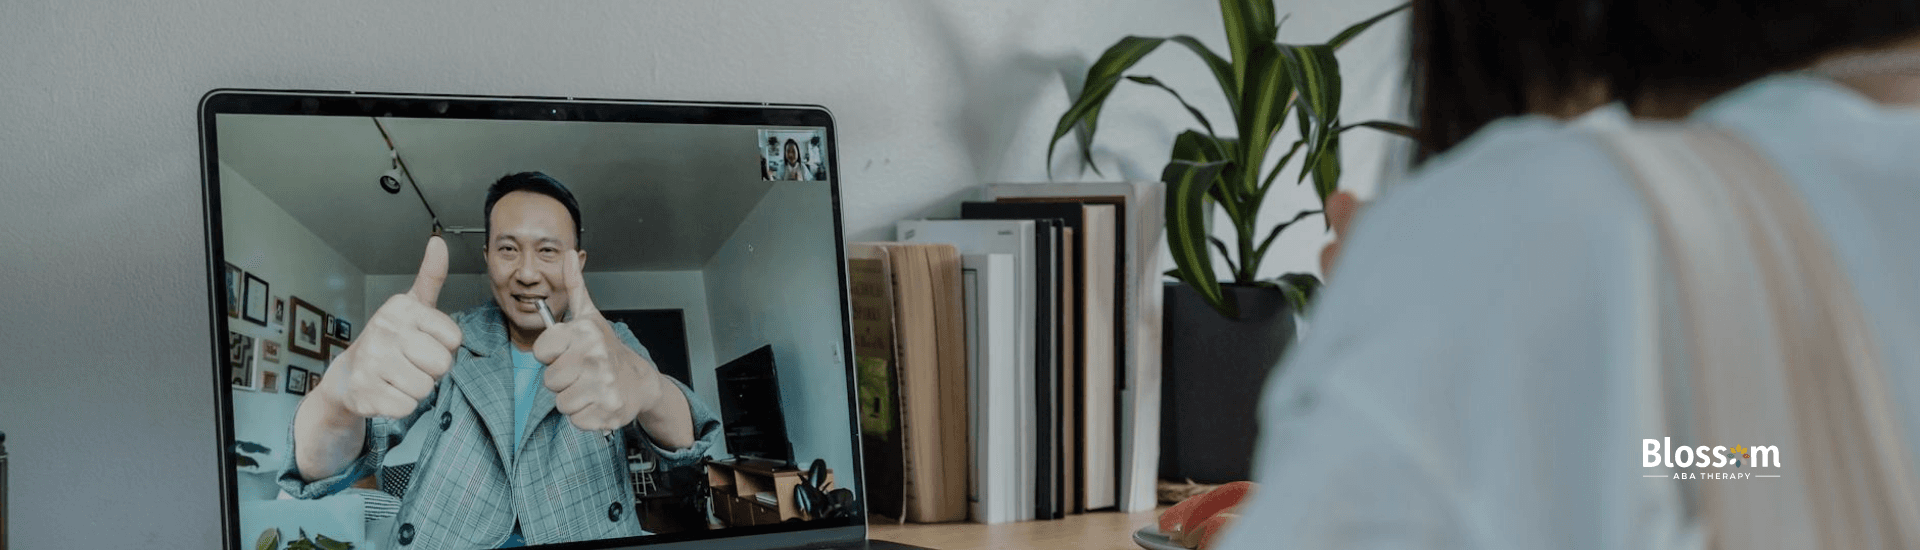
<point x="469" y="487"/>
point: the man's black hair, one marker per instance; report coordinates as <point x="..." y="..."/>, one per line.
<point x="534" y="182"/>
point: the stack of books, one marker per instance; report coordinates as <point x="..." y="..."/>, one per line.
<point x="1010" y="358"/>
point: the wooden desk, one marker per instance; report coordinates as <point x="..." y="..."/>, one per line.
<point x="1094" y="531"/>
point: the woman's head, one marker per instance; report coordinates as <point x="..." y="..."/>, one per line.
<point x="1675" y="55"/>
<point x="1475" y="61"/>
<point x="793" y="152"/>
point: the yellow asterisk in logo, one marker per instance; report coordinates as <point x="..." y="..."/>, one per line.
<point x="1739" y="452"/>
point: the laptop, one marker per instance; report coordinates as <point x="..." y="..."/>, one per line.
<point x="434" y="313"/>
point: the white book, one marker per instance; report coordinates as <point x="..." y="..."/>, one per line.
<point x="1015" y="238"/>
<point x="1098" y="318"/>
<point x="1144" y="224"/>
<point x="993" y="357"/>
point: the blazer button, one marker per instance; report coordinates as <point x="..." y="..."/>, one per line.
<point x="613" y="512"/>
<point x="406" y="533"/>
<point x="446" y="419"/>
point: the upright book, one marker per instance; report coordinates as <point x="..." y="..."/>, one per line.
<point x="931" y="375"/>
<point x="1140" y="207"/>
<point x="883" y="449"/>
<point x="993" y="355"/>
<point x="1094" y="331"/>
<point x="1017" y="238"/>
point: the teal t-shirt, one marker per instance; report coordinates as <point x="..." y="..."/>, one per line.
<point x="526" y="380"/>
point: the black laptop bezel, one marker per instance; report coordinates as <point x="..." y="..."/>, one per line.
<point x="531" y="108"/>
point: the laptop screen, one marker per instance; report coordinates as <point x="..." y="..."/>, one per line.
<point x="459" y="322"/>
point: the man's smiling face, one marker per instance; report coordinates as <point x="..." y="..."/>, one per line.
<point x="531" y="234"/>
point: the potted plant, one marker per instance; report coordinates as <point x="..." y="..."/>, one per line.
<point x="1222" y="337"/>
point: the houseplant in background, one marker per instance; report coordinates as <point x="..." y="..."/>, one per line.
<point x="1221" y="338"/>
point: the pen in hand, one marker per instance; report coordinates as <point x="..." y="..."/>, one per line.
<point x="546" y="315"/>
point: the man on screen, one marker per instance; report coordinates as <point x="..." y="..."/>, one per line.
<point x="524" y="413"/>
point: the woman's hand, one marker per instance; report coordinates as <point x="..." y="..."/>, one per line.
<point x="1340" y="209"/>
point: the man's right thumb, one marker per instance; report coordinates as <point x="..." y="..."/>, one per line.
<point x="433" y="272"/>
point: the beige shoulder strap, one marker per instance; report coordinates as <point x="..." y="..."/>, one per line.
<point x="1779" y="352"/>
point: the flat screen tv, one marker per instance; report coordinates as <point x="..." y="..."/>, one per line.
<point x="750" y="409"/>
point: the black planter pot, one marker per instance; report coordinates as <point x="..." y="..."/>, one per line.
<point x="1213" y="369"/>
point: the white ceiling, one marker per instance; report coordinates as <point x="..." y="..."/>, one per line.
<point x="653" y="197"/>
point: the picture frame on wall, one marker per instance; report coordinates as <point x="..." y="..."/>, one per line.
<point x="244" y="373"/>
<point x="306" y="329"/>
<point x="278" y="318"/>
<point x="256" y="300"/>
<point x="270" y="350"/>
<point x="233" y="290"/>
<point x="313" y="380"/>
<point x="270" y="382"/>
<point x="340" y="329"/>
<point x="296" y="381"/>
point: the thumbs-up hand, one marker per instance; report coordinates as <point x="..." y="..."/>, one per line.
<point x="598" y="382"/>
<point x="401" y="354"/>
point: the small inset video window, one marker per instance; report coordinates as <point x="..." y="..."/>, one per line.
<point x="793" y="155"/>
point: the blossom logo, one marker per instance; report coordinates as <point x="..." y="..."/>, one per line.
<point x="1660" y="453"/>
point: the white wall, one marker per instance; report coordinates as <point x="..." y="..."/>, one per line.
<point x="460" y="292"/>
<point x="776" y="283"/>
<point x="262" y="239"/>
<point x="101" y="233"/>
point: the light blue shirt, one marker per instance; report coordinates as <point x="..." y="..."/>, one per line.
<point x="526" y="381"/>
<point x="1473" y="378"/>
<point x="526" y="374"/>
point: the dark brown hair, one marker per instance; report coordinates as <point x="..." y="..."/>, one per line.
<point x="1475" y="61"/>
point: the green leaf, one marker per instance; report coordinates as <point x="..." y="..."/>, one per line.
<point x="1284" y="159"/>
<point x="1222" y="70"/>
<point x="1394" y="128"/>
<point x="1187" y="184"/>
<point x="1249" y="24"/>
<point x="1200" y="149"/>
<point x="1357" y="28"/>
<point x="1104" y="75"/>
<point x="1316" y="77"/>
<point x="1326" y="171"/>
<point x="326" y="543"/>
<point x="1300" y="289"/>
<point x="1155" y="82"/>
<point x="1264" y="103"/>
<point x="1296" y="299"/>
<point x="1317" y="80"/>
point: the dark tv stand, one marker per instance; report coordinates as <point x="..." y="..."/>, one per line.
<point x="736" y="482"/>
<point x="761" y="463"/>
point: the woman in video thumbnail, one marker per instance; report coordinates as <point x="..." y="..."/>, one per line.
<point x="792" y="169"/>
